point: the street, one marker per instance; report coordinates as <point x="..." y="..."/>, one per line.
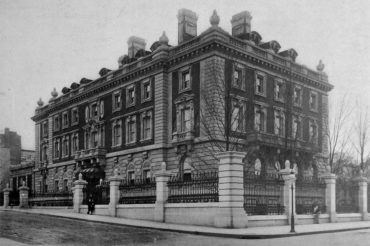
<point x="30" y="229"/>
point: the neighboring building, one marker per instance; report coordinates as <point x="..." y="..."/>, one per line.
<point x="16" y="164"/>
<point x="161" y="106"/>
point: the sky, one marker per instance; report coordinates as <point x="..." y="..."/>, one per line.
<point x="46" y="44"/>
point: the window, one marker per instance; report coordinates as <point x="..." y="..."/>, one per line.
<point x="65" y="146"/>
<point x="131" y="129"/>
<point x="56" y="186"/>
<point x="259" y="119"/>
<point x="94" y="110"/>
<point x="87" y="114"/>
<point x="131" y="177"/>
<point x="260" y="85"/>
<point x="313" y="101"/>
<point x="56" y="123"/>
<point x="237" y="120"/>
<point x="65" y="120"/>
<point x="74" y="117"/>
<point x="87" y="139"/>
<point x="238" y="80"/>
<point x="146" y="125"/>
<point x="146" y="175"/>
<point x="146" y="91"/>
<point x="130" y="96"/>
<point x="279" y="90"/>
<point x="44" y="152"/>
<point x="185" y="120"/>
<point x="102" y="136"/>
<point x="45" y="129"/>
<point x="297" y="96"/>
<point x="95" y="140"/>
<point x="116" y="101"/>
<point x="56" y="148"/>
<point x="279" y="123"/>
<point x="296" y="127"/>
<point x="185" y="81"/>
<point x="101" y="108"/>
<point x="312" y="131"/>
<point x="65" y="185"/>
<point x="74" y="143"/>
<point x="117" y="133"/>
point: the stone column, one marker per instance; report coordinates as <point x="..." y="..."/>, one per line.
<point x="289" y="181"/>
<point x="362" y="197"/>
<point x="161" y="179"/>
<point x="23" y="196"/>
<point x="6" y="196"/>
<point x="231" y="212"/>
<point x="114" y="194"/>
<point x="330" y="196"/>
<point x="78" y="193"/>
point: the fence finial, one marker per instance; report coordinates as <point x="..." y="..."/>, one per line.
<point x="80" y="176"/>
<point x="163" y="166"/>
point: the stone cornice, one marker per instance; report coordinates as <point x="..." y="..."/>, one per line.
<point x="213" y="39"/>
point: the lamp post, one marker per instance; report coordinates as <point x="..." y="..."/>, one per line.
<point x="292" y="216"/>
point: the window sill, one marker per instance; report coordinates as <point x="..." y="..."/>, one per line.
<point x="260" y="94"/>
<point x="184" y="90"/>
<point x="74" y="123"/>
<point x="146" y="100"/>
<point x="116" y="109"/>
<point x="130" y="144"/>
<point x="315" y="110"/>
<point x="130" y="105"/>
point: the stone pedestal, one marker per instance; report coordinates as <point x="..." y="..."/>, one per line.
<point x="23" y="197"/>
<point x="114" y="194"/>
<point x="330" y="180"/>
<point x="161" y="180"/>
<point x="287" y="193"/>
<point x="362" y="197"/>
<point x="6" y="197"/>
<point x="78" y="193"/>
<point x="231" y="212"/>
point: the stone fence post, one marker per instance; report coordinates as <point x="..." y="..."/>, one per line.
<point x="114" y="194"/>
<point x="362" y="197"/>
<point x="289" y="181"/>
<point x="6" y="196"/>
<point x="330" y="202"/>
<point x="161" y="179"/>
<point x="78" y="193"/>
<point x="23" y="195"/>
<point x="231" y="212"/>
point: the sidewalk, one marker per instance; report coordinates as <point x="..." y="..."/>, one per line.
<point x="248" y="233"/>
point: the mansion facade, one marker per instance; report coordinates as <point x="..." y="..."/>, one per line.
<point x="180" y="104"/>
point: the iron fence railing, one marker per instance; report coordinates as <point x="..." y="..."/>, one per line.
<point x="138" y="191"/>
<point x="263" y="194"/>
<point x="199" y="187"/>
<point x="102" y="193"/>
<point x="62" y="198"/>
<point x="310" y="191"/>
<point x="14" y="198"/>
<point x="346" y="196"/>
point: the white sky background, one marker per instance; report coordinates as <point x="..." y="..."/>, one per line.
<point x="46" y="44"/>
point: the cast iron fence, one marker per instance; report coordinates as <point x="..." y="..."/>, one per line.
<point x="138" y="191"/>
<point x="346" y="196"/>
<point x="14" y="198"/>
<point x="63" y="198"/>
<point x="199" y="187"/>
<point x="310" y="191"/>
<point x="263" y="194"/>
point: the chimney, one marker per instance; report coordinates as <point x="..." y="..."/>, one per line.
<point x="241" y="23"/>
<point x="134" y="45"/>
<point x="187" y="25"/>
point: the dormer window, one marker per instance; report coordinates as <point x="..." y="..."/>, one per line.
<point x="185" y="80"/>
<point x="130" y="96"/>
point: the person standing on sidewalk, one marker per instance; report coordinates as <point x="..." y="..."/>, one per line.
<point x="90" y="204"/>
<point x="316" y="213"/>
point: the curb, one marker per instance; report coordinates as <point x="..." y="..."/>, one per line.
<point x="195" y="232"/>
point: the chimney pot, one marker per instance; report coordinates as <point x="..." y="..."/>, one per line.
<point x="187" y="25"/>
<point x="241" y="23"/>
<point x="134" y="45"/>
